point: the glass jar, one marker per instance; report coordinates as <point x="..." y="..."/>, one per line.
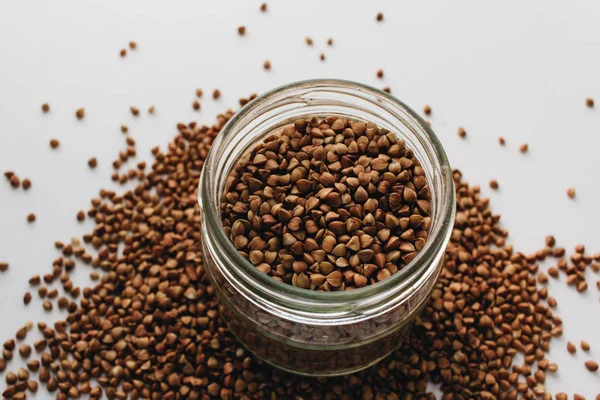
<point x="305" y="331"/>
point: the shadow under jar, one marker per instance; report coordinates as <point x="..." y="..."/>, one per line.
<point x="305" y="331"/>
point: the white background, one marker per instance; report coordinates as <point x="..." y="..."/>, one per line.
<point x="521" y="70"/>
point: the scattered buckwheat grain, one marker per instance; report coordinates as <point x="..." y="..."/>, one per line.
<point x="589" y="102"/>
<point x="592" y="366"/>
<point x="93" y="162"/>
<point x="585" y="346"/>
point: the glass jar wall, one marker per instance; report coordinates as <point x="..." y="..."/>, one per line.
<point x="311" y="332"/>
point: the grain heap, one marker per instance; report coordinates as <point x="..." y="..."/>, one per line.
<point x="152" y="327"/>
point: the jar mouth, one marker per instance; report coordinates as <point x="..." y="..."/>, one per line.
<point x="209" y="198"/>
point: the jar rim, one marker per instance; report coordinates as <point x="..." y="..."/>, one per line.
<point x="436" y="242"/>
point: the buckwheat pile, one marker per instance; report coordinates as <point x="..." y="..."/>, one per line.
<point x="152" y="328"/>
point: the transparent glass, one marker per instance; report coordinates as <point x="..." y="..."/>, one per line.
<point x="305" y="331"/>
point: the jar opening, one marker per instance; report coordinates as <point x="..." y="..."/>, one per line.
<point x="282" y="106"/>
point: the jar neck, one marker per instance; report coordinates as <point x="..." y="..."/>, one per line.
<point x="280" y="107"/>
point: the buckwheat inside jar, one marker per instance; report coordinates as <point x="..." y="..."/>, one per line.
<point x="326" y="185"/>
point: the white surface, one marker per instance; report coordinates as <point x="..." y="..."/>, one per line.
<point x="516" y="69"/>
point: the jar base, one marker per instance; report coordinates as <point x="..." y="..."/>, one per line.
<point x="311" y="361"/>
<point x="348" y="371"/>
